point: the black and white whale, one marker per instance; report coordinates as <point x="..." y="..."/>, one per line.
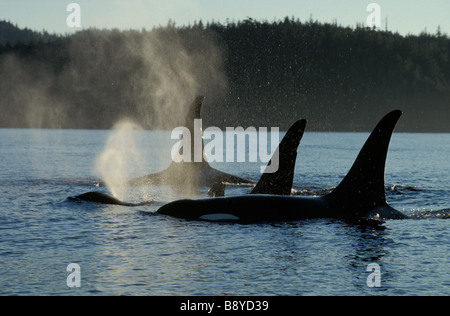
<point x="102" y="198"/>
<point x="188" y="175"/>
<point x="361" y="194"/>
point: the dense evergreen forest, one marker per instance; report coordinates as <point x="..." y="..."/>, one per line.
<point x="252" y="73"/>
<point x="11" y="34"/>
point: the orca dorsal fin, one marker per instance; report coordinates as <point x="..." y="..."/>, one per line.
<point x="280" y="182"/>
<point x="363" y="188"/>
<point x="194" y="112"/>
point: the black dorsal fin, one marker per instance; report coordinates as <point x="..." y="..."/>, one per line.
<point x="194" y="113"/>
<point x="363" y="187"/>
<point x="280" y="182"/>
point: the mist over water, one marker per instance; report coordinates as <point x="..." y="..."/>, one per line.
<point x="27" y="95"/>
<point x="120" y="159"/>
<point x="173" y="75"/>
<point x="100" y="77"/>
<point x="160" y="73"/>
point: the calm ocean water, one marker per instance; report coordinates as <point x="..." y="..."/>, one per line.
<point x="130" y="251"/>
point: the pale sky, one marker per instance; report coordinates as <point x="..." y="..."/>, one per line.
<point x="51" y="15"/>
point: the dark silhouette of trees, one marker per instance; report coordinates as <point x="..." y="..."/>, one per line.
<point x="340" y="78"/>
<point x="337" y="76"/>
<point x="12" y="35"/>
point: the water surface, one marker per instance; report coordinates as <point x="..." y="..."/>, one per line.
<point x="130" y="251"/>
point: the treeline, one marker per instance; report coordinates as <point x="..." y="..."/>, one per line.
<point x="11" y="35"/>
<point x="253" y="73"/>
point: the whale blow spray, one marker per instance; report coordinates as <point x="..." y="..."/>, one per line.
<point x="120" y="159"/>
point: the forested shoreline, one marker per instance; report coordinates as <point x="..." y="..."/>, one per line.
<point x="253" y="74"/>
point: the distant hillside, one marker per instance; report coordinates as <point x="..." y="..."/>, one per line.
<point x="11" y="34"/>
<point x="340" y="78"/>
<point x="252" y="73"/>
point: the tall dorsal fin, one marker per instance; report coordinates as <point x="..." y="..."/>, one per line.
<point x="194" y="113"/>
<point x="363" y="187"/>
<point x="190" y="174"/>
<point x="280" y="182"/>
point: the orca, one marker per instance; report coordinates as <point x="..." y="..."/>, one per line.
<point x="279" y="182"/>
<point x="188" y="175"/>
<point x="360" y="195"/>
<point x="184" y="175"/>
<point x="102" y="198"/>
